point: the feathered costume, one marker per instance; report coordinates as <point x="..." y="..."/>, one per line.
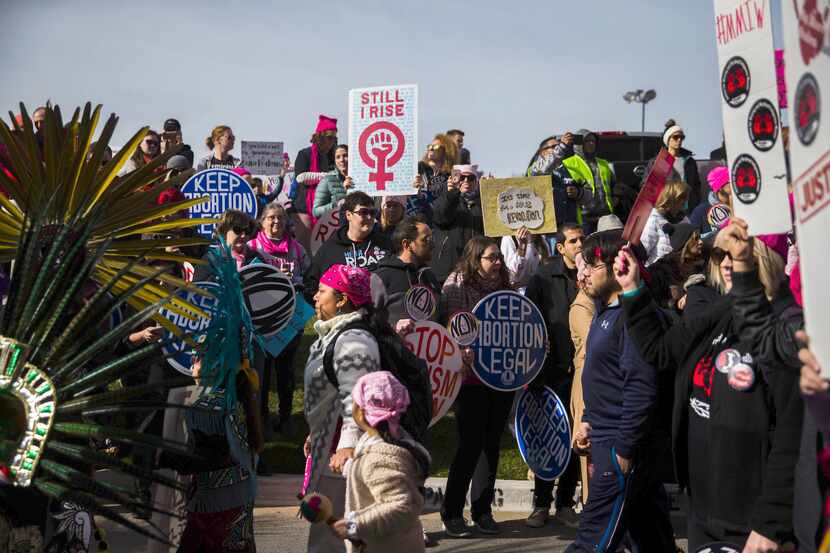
<point x="71" y="228"/>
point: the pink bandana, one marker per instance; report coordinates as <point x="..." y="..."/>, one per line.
<point x="382" y="398"/>
<point x="351" y="281"/>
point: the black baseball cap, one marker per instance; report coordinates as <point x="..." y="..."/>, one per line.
<point x="172" y="125"/>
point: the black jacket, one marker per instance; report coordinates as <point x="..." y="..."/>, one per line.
<point x="302" y="164"/>
<point x="455" y="222"/>
<point x="339" y="249"/>
<point x="398" y="277"/>
<point x="751" y="438"/>
<point x="553" y="292"/>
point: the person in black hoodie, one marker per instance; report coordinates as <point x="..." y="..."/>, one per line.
<point x="553" y="289"/>
<point x="456" y="218"/>
<point x="358" y="244"/>
<point x="408" y="267"/>
<point x="737" y="420"/>
<point x="776" y="341"/>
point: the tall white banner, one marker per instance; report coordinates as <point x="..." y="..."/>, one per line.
<point x="751" y="120"/>
<point x="807" y="70"/>
<point x="383" y="139"/>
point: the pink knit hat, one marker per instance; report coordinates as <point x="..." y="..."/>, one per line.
<point x="351" y="281"/>
<point x="326" y="123"/>
<point x="776" y="242"/>
<point x="718" y="178"/>
<point x="241" y="171"/>
<point x="382" y="398"/>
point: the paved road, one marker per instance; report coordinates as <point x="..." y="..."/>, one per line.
<point x="279" y="531"/>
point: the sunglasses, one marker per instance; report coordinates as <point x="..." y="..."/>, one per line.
<point x="468" y="178"/>
<point x="365" y="212"/>
<point x="678" y="137"/>
<point x="242" y="231"/>
<point x="435" y="147"/>
<point x="494" y="258"/>
<point x="329" y="135"/>
<point x="718" y="255"/>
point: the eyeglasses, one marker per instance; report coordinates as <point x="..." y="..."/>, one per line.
<point x="719" y="254"/>
<point x="468" y="178"/>
<point x="365" y="212"/>
<point x="435" y="147"/>
<point x="493" y="258"/>
<point x="242" y="231"/>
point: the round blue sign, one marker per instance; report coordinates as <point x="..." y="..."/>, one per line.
<point x="543" y="432"/>
<point x="226" y="190"/>
<point x="512" y="341"/>
<point x="179" y="351"/>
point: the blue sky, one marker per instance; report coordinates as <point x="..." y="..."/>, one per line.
<point x="507" y="73"/>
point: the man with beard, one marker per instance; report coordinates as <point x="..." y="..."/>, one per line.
<point x="620" y="390"/>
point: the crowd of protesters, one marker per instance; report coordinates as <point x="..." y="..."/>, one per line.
<point x="680" y="354"/>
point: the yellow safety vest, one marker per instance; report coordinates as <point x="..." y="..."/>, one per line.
<point x="580" y="171"/>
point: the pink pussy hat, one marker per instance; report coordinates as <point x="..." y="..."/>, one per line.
<point x="326" y="123"/>
<point x="718" y="178"/>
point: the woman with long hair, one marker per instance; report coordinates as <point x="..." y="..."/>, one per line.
<point x="481" y="412"/>
<point x="148" y="150"/>
<point x="736" y="420"/>
<point x="668" y="209"/>
<point x="434" y="171"/>
<point x="220" y="142"/>
<point x="335" y="185"/>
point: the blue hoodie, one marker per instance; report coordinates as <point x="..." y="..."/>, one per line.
<point x="619" y="387"/>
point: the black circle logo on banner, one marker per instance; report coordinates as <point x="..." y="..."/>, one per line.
<point x="762" y="125"/>
<point x="269" y="297"/>
<point x="717" y="215"/>
<point x="746" y="178"/>
<point x="719" y="547"/>
<point x="807" y="109"/>
<point x="735" y="81"/>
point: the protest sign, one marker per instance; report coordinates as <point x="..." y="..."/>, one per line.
<point x="463" y="327"/>
<point x="751" y="120"/>
<point x="269" y="297"/>
<point x="431" y="342"/>
<point x="543" y="432"/>
<point x="179" y="351"/>
<point x="510" y="204"/>
<point x="512" y="341"/>
<point x="226" y="190"/>
<point x="420" y="303"/>
<point x="807" y="71"/>
<point x="324" y="229"/>
<point x="303" y="312"/>
<point x="647" y="196"/>
<point x="262" y="158"/>
<point x="383" y="139"/>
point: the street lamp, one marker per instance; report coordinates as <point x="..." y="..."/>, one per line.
<point x="641" y="97"/>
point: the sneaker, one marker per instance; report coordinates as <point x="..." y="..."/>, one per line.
<point x="486" y="525"/>
<point x="567" y="516"/>
<point x="457" y="528"/>
<point x="538" y="518"/>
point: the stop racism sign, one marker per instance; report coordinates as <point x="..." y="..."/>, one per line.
<point x="432" y="343"/>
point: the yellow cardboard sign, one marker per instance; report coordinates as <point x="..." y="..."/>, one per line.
<point x="510" y="204"/>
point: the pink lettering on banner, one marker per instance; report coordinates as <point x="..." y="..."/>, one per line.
<point x="779" y="77"/>
<point x="813" y="189"/>
<point x="432" y="343"/>
<point x="747" y="17"/>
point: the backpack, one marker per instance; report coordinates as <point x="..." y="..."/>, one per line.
<point x="409" y="369"/>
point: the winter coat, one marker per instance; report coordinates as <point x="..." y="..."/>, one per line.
<point x="355" y="354"/>
<point x="553" y="291"/>
<point x="302" y="164"/>
<point x="685" y="169"/>
<point x="329" y="193"/>
<point x="740" y="470"/>
<point x="398" y="277"/>
<point x="455" y="221"/>
<point x="339" y="248"/>
<point x="383" y="497"/>
<point x="580" y="316"/>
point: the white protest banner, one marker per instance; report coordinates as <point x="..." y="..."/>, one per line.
<point x="432" y="343"/>
<point x="751" y="120"/>
<point x="383" y="139"/>
<point x="262" y="158"/>
<point x="510" y="204"/>
<point x="807" y="72"/>
<point x="325" y="228"/>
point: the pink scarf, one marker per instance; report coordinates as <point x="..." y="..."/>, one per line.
<point x="311" y="186"/>
<point x="274" y="248"/>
